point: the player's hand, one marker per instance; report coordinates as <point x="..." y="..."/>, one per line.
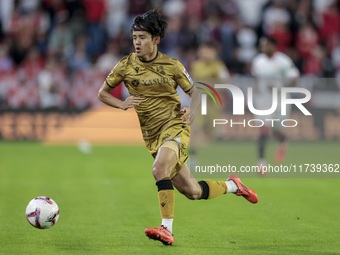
<point x="187" y="117"/>
<point x="130" y="102"/>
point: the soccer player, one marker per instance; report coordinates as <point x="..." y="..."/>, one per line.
<point x="207" y="66"/>
<point x="272" y="69"/>
<point x="152" y="78"/>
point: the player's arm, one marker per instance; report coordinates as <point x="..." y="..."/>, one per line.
<point x="105" y="96"/>
<point x="291" y="72"/>
<point x="223" y="73"/>
<point x="116" y="77"/>
<point x="184" y="80"/>
<point x="189" y="113"/>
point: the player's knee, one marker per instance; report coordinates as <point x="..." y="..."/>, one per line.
<point x="159" y="170"/>
<point x="193" y="194"/>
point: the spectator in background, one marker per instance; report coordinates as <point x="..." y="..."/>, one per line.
<point x="191" y="34"/>
<point x="41" y="43"/>
<point x="313" y="64"/>
<point x="281" y="33"/>
<point x="274" y="14"/>
<point x="172" y="40"/>
<point x="34" y="63"/>
<point x="175" y="8"/>
<point x="321" y="5"/>
<point x="195" y="9"/>
<point x="303" y="12"/>
<point x="116" y="15"/>
<point x="329" y="26"/>
<point x="246" y="39"/>
<point x="306" y="40"/>
<point x="6" y="12"/>
<point x="60" y="41"/>
<point x="48" y="88"/>
<point x="6" y="62"/>
<point x="42" y="22"/>
<point x="28" y="6"/>
<point x="212" y="25"/>
<point x="73" y="6"/>
<point x="95" y="10"/>
<point x="78" y="59"/>
<point x="109" y="59"/>
<point x="77" y="23"/>
<point x="56" y="10"/>
<point x="250" y="11"/>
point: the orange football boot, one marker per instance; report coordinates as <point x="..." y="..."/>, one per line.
<point x="161" y="234"/>
<point x="244" y="191"/>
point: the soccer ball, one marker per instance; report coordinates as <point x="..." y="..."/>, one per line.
<point x="42" y="212"/>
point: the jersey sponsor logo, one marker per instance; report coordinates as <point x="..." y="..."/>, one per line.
<point x="136" y="69"/>
<point x="188" y="76"/>
<point x="158" y="81"/>
<point x="135" y="83"/>
<point x="160" y="69"/>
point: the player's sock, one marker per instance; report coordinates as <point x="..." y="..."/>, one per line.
<point x="166" y="198"/>
<point x="262" y="143"/>
<point x="168" y="224"/>
<point x="231" y="186"/>
<point x="211" y="189"/>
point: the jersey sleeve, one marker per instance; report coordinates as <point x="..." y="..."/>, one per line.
<point x="289" y="69"/>
<point x="223" y="72"/>
<point x="183" y="79"/>
<point x="117" y="74"/>
<point x="254" y="67"/>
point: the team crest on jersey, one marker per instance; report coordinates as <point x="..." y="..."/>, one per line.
<point x="136" y="69"/>
<point x="188" y="76"/>
<point x="135" y="83"/>
<point x="160" y="69"/>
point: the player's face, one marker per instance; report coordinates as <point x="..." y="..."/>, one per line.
<point x="266" y="47"/>
<point x="207" y="53"/>
<point x="143" y="43"/>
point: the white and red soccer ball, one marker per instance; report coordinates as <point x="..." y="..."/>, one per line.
<point x="42" y="212"/>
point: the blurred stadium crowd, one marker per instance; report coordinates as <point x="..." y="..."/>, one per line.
<point x="55" y="54"/>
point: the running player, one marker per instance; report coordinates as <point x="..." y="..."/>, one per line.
<point x="152" y="78"/>
<point x="272" y="69"/>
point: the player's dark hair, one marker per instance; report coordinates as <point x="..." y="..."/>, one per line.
<point x="151" y="22"/>
<point x="208" y="44"/>
<point x="272" y="40"/>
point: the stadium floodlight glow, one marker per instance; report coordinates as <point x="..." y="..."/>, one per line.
<point x="238" y="100"/>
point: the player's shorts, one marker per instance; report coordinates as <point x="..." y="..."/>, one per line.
<point x="177" y="133"/>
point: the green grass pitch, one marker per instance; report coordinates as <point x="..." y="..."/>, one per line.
<point x="107" y="199"/>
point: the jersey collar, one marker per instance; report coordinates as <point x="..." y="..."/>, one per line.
<point x="149" y="60"/>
